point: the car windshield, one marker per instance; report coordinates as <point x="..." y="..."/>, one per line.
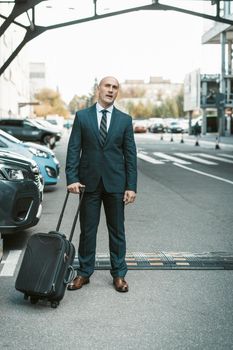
<point x="9" y="137"/>
<point x="35" y="123"/>
<point x="43" y="123"/>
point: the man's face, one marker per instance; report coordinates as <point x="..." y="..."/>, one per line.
<point x="108" y="90"/>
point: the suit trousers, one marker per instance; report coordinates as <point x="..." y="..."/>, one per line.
<point x="89" y="221"/>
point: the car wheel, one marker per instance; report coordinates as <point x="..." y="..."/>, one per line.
<point x="34" y="300"/>
<point x="52" y="146"/>
<point x="49" y="141"/>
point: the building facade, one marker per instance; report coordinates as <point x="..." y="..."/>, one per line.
<point x="37" y="77"/>
<point x="155" y="91"/>
<point x="219" y="89"/>
<point x="14" y="83"/>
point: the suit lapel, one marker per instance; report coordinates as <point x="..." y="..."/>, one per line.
<point x="92" y="118"/>
<point x="113" y="124"/>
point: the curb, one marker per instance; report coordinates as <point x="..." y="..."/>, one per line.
<point x="1" y="247"/>
<point x="209" y="142"/>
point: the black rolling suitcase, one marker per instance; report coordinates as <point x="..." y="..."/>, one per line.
<point x="46" y="267"/>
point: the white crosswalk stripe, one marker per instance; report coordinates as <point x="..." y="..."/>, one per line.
<point x="148" y="159"/>
<point x="10" y="263"/>
<point x="184" y="158"/>
<point x="225" y="155"/>
<point x="195" y="158"/>
<point x="168" y="157"/>
<point x="216" y="158"/>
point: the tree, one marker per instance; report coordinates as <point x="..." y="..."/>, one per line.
<point x="171" y="107"/>
<point x="50" y="103"/>
<point x="77" y="103"/>
<point x="140" y="110"/>
<point x="93" y="96"/>
<point x="180" y="102"/>
<point x="84" y="101"/>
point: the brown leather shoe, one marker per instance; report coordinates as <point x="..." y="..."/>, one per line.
<point x="78" y="282"/>
<point x="120" y="284"/>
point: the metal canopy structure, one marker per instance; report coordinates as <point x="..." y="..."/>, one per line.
<point x="22" y="9"/>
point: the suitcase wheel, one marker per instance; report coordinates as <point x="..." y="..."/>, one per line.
<point x="54" y="304"/>
<point x="25" y="297"/>
<point x="34" y="300"/>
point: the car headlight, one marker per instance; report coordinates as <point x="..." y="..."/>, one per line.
<point x="15" y="174"/>
<point x="38" y="152"/>
<point x="12" y="174"/>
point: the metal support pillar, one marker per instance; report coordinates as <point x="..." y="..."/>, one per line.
<point x="229" y="95"/>
<point x="229" y="61"/>
<point x="204" y="122"/>
<point x="190" y="122"/>
<point x="221" y="109"/>
<point x="1" y="247"/>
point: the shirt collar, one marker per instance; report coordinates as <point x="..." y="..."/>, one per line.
<point x="99" y="108"/>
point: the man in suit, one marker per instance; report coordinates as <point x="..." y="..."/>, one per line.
<point x="102" y="157"/>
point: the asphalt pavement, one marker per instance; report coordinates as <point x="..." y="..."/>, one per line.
<point x="164" y="309"/>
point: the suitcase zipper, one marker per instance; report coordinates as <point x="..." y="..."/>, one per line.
<point x="52" y="289"/>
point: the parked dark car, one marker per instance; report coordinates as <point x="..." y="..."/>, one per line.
<point x="156" y="128"/>
<point x="27" y="130"/>
<point x="21" y="192"/>
<point x="48" y="126"/>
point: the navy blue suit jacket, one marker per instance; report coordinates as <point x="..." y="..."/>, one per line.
<point x="115" y="162"/>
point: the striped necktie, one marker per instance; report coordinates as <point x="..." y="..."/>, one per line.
<point x="103" y="127"/>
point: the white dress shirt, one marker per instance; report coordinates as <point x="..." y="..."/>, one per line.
<point x="99" y="108"/>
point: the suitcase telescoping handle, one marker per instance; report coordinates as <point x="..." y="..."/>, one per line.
<point x="82" y="189"/>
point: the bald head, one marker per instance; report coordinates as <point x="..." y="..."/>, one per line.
<point x="108" y="89"/>
<point x="103" y="80"/>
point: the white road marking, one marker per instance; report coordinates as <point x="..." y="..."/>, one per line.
<point x="171" y="158"/>
<point x="225" y="155"/>
<point x="10" y="263"/>
<point x="195" y="159"/>
<point x="192" y="157"/>
<point x="148" y="159"/>
<point x="205" y="174"/>
<point x="217" y="158"/>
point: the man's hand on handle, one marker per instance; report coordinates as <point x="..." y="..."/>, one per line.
<point x="129" y="197"/>
<point x="75" y="187"/>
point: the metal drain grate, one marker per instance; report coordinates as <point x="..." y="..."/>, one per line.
<point x="168" y="261"/>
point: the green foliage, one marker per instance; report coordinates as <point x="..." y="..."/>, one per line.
<point x="140" y="110"/>
<point x="77" y="103"/>
<point x="170" y="107"/>
<point x="156" y="107"/>
<point x="180" y="102"/>
<point x="84" y="101"/>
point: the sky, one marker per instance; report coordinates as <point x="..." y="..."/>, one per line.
<point x="132" y="46"/>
